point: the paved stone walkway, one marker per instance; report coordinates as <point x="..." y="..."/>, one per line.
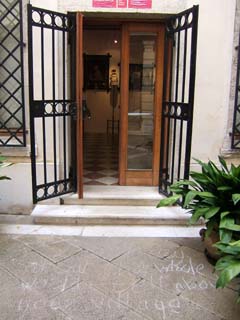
<point x="53" y="277"/>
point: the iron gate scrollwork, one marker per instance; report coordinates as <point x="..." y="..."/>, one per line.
<point x="51" y="37"/>
<point x="178" y="97"/>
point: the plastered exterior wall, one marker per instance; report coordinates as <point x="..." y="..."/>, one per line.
<point x="213" y="95"/>
<point x="213" y="75"/>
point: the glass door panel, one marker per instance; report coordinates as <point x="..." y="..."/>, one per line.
<point x="142" y="62"/>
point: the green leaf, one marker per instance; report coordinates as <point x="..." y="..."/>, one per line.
<point x="235" y="244"/>
<point x="184" y="183"/>
<point x="228" y="274"/>
<point x="233" y="248"/>
<point x="206" y="194"/>
<point x="210" y="226"/>
<point x="223" y="262"/>
<point x="223" y="163"/>
<point x="225" y="235"/>
<point x="233" y="227"/>
<point x="197" y="215"/>
<point x="189" y="197"/>
<point x="236" y="198"/>
<point x="211" y="212"/>
<point x="4" y="178"/>
<point x="5" y="164"/>
<point x="225" y="222"/>
<point x="175" y="189"/>
<point x="168" y="201"/>
<point x="200" y="178"/>
<point x="224" y="188"/>
<point x="235" y="171"/>
<point x="224" y="214"/>
<point x="192" y="194"/>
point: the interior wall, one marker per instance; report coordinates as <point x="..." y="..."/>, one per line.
<point x="101" y="42"/>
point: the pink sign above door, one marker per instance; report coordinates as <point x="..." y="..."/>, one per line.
<point x="136" y="4"/>
<point x="140" y="4"/>
<point x="104" y="3"/>
<point x="122" y="3"/>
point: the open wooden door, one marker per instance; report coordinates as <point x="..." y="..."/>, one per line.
<point x="142" y="61"/>
<point x="79" y="88"/>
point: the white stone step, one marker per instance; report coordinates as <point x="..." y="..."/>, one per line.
<point x="116" y="195"/>
<point x="108" y="215"/>
<point x="109" y="202"/>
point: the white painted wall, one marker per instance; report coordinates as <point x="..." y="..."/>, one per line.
<point x="214" y="62"/>
<point x="15" y="194"/>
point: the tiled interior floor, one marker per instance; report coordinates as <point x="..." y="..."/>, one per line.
<point x="100" y="159"/>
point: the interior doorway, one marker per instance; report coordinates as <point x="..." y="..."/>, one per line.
<point x="101" y="104"/>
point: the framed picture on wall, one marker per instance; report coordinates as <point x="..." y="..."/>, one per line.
<point x="96" y="72"/>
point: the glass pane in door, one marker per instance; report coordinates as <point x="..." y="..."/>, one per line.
<point x="141" y="100"/>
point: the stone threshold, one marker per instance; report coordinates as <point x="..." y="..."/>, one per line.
<point x="109" y="215"/>
<point x="102" y="231"/>
<point x="115" y="196"/>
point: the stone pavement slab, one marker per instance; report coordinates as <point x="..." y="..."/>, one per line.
<point x="36" y="272"/>
<point x="54" y="248"/>
<point x="10" y="248"/>
<point x="157" y="304"/>
<point x="86" y="302"/>
<point x="81" y="278"/>
<point x="111" y="248"/>
<point x="103" y="275"/>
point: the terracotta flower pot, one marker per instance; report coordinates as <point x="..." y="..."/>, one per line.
<point x="211" y="252"/>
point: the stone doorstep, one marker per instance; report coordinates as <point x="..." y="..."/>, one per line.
<point x="115" y="196"/>
<point x="108" y="215"/>
<point x="109" y="202"/>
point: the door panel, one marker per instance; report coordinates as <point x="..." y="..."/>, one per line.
<point x="52" y="104"/>
<point x="141" y="92"/>
<point x="124" y="105"/>
<point x="178" y="97"/>
<point x="141" y="102"/>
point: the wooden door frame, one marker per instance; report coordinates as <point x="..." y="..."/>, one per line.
<point x="126" y="177"/>
<point x="140" y="177"/>
<point x="79" y="86"/>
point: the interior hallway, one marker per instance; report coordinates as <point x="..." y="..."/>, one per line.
<point x="100" y="159"/>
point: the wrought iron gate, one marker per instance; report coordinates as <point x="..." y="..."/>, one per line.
<point x="51" y="38"/>
<point x="178" y="97"/>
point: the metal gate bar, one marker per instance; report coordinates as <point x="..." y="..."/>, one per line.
<point x="235" y="140"/>
<point x="178" y="97"/>
<point x="52" y="104"/>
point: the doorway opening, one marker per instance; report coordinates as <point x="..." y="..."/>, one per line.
<point x="101" y="104"/>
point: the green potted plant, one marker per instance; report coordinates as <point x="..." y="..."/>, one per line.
<point x="214" y="195"/>
<point x="229" y="264"/>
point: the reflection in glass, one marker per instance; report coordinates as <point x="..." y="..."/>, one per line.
<point x="141" y="100"/>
